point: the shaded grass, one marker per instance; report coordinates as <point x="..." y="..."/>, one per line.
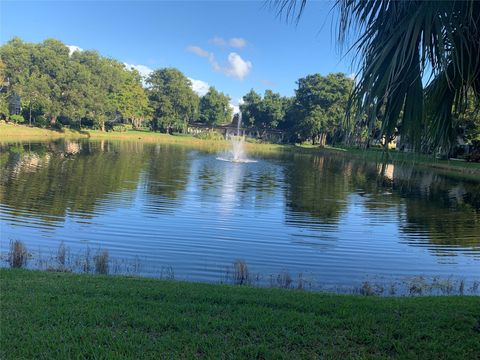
<point x="64" y="315"/>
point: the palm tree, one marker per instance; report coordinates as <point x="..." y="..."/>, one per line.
<point x="419" y="61"/>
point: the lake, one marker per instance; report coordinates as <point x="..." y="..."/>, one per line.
<point x="172" y="211"/>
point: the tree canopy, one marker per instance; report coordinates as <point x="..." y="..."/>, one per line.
<point x="55" y="84"/>
<point x="215" y="108"/>
<point x="173" y="100"/>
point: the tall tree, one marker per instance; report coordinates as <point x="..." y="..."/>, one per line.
<point x="215" y="108"/>
<point x="319" y="106"/>
<point x="272" y="109"/>
<point x="173" y="100"/>
<point x="251" y="108"/>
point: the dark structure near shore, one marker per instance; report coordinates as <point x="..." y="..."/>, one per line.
<point x="275" y="136"/>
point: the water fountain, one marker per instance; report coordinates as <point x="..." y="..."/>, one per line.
<point x="237" y="152"/>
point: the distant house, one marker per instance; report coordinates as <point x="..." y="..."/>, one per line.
<point x="14" y="104"/>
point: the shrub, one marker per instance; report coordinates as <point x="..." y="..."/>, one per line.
<point x="210" y="135"/>
<point x="41" y="121"/>
<point x="119" y="128"/>
<point x="17" y="119"/>
<point x="17" y="256"/>
<point x="474" y="154"/>
<point x="101" y="262"/>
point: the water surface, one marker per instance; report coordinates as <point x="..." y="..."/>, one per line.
<point x="332" y="219"/>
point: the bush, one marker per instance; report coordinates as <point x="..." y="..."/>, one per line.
<point x="41" y="121"/>
<point x="18" y="119"/>
<point x="119" y="128"/>
<point x="210" y="135"/>
<point x="17" y="257"/>
<point x="474" y="154"/>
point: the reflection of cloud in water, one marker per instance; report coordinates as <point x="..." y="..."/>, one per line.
<point x="232" y="176"/>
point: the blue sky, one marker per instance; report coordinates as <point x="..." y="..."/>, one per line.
<point x="234" y="46"/>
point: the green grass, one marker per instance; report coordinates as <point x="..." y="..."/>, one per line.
<point x="61" y="315"/>
<point x="21" y="133"/>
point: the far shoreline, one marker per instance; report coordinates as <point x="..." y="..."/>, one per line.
<point x="12" y="133"/>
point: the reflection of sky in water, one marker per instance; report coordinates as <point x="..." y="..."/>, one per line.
<point x="330" y="219"/>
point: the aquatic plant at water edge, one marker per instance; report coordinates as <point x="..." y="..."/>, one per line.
<point x="241" y="273"/>
<point x="17" y="257"/>
<point x="101" y="262"/>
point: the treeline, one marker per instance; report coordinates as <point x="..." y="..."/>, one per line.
<point x="315" y="113"/>
<point x="46" y="84"/>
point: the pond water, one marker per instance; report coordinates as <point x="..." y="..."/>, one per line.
<point x="161" y="209"/>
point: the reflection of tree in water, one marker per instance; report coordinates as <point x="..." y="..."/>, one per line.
<point x="166" y="176"/>
<point x="448" y="211"/>
<point x="444" y="226"/>
<point x="317" y="187"/>
<point x="49" y="180"/>
<point x="432" y="208"/>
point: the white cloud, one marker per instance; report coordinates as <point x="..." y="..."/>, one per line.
<point x="235" y="105"/>
<point x="73" y="48"/>
<point x="218" y="41"/>
<point x="237" y="42"/>
<point x="235" y="108"/>
<point x="144" y="70"/>
<point x="199" y="86"/>
<point x="236" y="66"/>
<point x="198" y="51"/>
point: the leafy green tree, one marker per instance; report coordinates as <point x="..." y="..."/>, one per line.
<point x="173" y="100"/>
<point x="215" y="108"/>
<point x="4" y="112"/>
<point x="319" y="107"/>
<point x="272" y="110"/>
<point x="251" y="108"/>
<point x="131" y="100"/>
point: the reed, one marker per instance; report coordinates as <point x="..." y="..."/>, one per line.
<point x="241" y="273"/>
<point x="101" y="262"/>
<point x="17" y="257"/>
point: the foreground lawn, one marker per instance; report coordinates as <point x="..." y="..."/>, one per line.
<point x="60" y="315"/>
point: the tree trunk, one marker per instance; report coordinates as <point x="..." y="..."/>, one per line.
<point x="322" y="139"/>
<point x="53" y="120"/>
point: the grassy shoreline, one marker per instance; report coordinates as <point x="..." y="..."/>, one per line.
<point x="19" y="133"/>
<point x="65" y="315"/>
